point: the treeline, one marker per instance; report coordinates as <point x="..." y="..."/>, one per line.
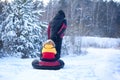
<point x="88" y="17"/>
<point x="22" y="22"/>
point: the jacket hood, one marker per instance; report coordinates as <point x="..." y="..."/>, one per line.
<point x="60" y="15"/>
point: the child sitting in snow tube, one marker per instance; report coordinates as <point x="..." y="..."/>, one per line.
<point x="48" y="58"/>
<point x="48" y="51"/>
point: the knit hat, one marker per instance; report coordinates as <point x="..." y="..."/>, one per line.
<point x="49" y="41"/>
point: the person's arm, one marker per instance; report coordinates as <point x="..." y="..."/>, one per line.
<point x="62" y="29"/>
<point x="48" y="31"/>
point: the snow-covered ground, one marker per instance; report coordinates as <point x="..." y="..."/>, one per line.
<point x="97" y="64"/>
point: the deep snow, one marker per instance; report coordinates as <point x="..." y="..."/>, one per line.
<point x="96" y="64"/>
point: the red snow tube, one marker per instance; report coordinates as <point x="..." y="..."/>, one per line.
<point x="54" y="65"/>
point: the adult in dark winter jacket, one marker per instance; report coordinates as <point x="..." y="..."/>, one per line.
<point x="56" y="30"/>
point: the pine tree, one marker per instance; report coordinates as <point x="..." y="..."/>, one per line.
<point x="24" y="31"/>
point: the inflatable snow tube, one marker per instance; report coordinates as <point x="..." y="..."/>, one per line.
<point x="55" y="65"/>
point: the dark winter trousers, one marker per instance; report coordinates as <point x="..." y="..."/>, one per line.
<point x="58" y="44"/>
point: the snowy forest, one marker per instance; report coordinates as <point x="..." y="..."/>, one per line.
<point x="23" y="23"/>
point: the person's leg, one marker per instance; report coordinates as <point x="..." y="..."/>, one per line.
<point x="58" y="43"/>
<point x="58" y="48"/>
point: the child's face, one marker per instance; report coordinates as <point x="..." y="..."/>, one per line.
<point x="48" y="46"/>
